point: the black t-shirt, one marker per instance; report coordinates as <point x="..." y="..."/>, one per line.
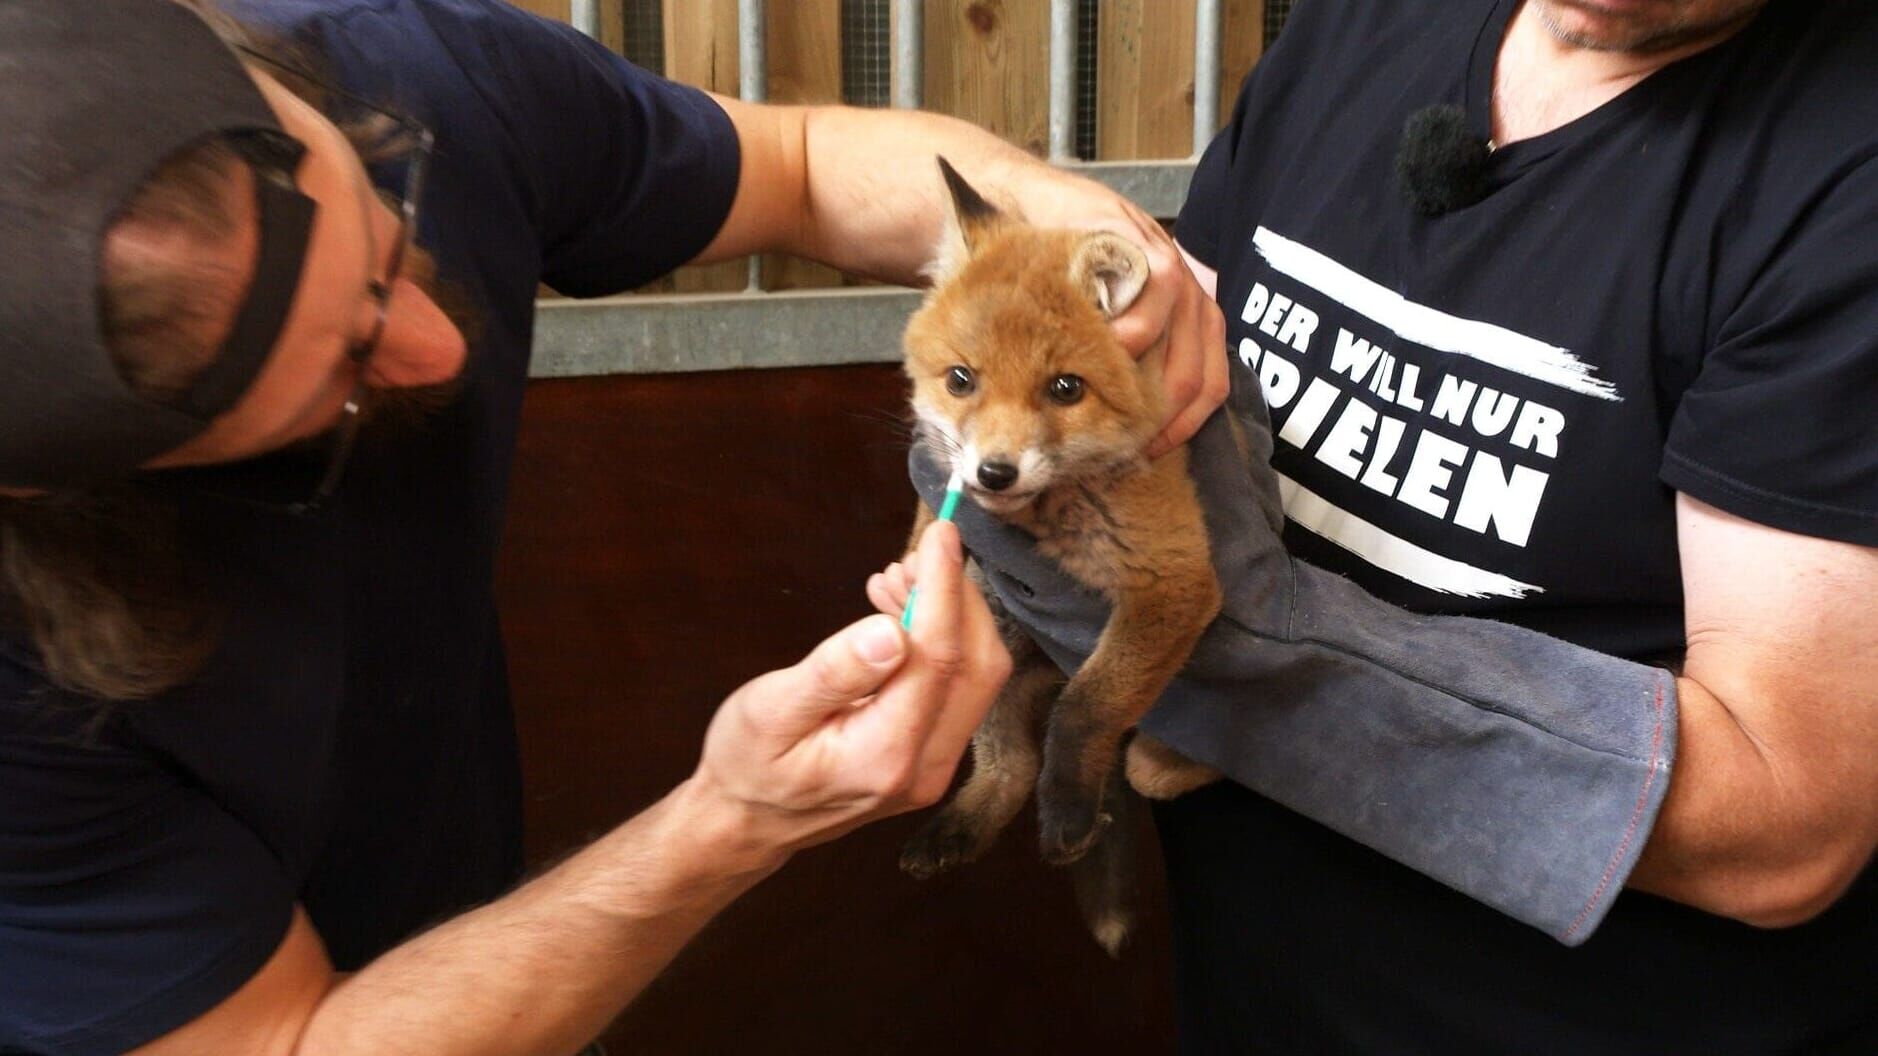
<point x="1490" y="412"/>
<point x="351" y="747"/>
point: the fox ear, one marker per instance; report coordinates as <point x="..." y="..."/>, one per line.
<point x="1110" y="270"/>
<point x="970" y="219"/>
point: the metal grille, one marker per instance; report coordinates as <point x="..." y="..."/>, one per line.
<point x="866" y="52"/>
<point x="1276" y="11"/>
<point x="1086" y="43"/>
<point x="645" y="34"/>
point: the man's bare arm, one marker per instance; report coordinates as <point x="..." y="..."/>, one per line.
<point x="1773" y="802"/>
<point x="794" y="758"/>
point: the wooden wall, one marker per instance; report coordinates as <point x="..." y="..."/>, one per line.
<point x="1144" y="73"/>
<point x="987" y="61"/>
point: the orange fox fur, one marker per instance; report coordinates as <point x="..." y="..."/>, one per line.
<point x="1019" y="382"/>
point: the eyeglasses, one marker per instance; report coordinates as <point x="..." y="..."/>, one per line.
<point x="361" y="350"/>
<point x="414" y="146"/>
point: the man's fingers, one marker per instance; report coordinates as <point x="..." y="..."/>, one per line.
<point x="908" y="707"/>
<point x="843" y="670"/>
<point x="1154" y="313"/>
<point x="888" y="589"/>
<point x="939" y="569"/>
<point x="1186" y="359"/>
<point x="880" y="595"/>
<point x="1197" y="368"/>
<point x="1141" y="327"/>
<point x="970" y="698"/>
<point x="1175" y="315"/>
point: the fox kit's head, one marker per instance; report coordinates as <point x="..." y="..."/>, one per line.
<point x="1018" y="381"/>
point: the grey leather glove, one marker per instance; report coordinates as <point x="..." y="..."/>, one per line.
<point x="1521" y="770"/>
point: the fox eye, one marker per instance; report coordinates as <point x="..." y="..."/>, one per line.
<point x="1065" y="389"/>
<point x="960" y="382"/>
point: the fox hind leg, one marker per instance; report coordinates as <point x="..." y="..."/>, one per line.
<point x="1005" y="761"/>
<point x="1081" y="748"/>
<point x="1149" y="636"/>
<point x="1158" y="772"/>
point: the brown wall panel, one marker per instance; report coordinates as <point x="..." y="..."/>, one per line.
<point x="671" y="537"/>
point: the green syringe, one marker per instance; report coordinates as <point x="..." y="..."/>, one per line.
<point x="946" y="508"/>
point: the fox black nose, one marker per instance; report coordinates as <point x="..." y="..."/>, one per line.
<point x="997" y="475"/>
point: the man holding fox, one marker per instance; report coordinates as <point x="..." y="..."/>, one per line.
<point x="1544" y="670"/>
<point x="226" y="784"/>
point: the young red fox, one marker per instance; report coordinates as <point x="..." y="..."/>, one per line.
<point x="1020" y="384"/>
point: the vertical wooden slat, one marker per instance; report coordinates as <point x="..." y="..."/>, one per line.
<point x="804" y="40"/>
<point x="701" y="43"/>
<point x="987" y="62"/>
<point x="1144" y="79"/>
<point x="560" y="10"/>
<point x="1144" y="75"/>
<point x="701" y="50"/>
<point x="613" y="25"/>
<point x="1242" y="41"/>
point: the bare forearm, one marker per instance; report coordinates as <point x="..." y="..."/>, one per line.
<point x="544" y="969"/>
<point x="1745" y="831"/>
<point x="875" y="197"/>
<point x="870" y="723"/>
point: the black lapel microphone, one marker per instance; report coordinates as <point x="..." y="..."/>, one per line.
<point x="1440" y="164"/>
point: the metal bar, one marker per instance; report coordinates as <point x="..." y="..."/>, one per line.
<point x="647" y="334"/>
<point x="1158" y="187"/>
<point x="1062" y="79"/>
<point x="909" y="54"/>
<point x="1207" y="18"/>
<point x="752" y="82"/>
<point x="585" y="15"/>
<point x="752" y="52"/>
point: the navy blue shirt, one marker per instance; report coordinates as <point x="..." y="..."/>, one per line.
<point x="351" y="746"/>
<point x="1490" y="412"/>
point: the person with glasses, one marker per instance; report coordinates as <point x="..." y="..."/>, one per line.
<point x="257" y="760"/>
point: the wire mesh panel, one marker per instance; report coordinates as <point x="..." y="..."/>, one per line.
<point x="1087" y="36"/>
<point x="645" y="33"/>
<point x="866" y="52"/>
<point x="1276" y="11"/>
<point x="867" y="62"/>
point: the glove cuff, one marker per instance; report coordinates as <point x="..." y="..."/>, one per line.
<point x="1518" y="769"/>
